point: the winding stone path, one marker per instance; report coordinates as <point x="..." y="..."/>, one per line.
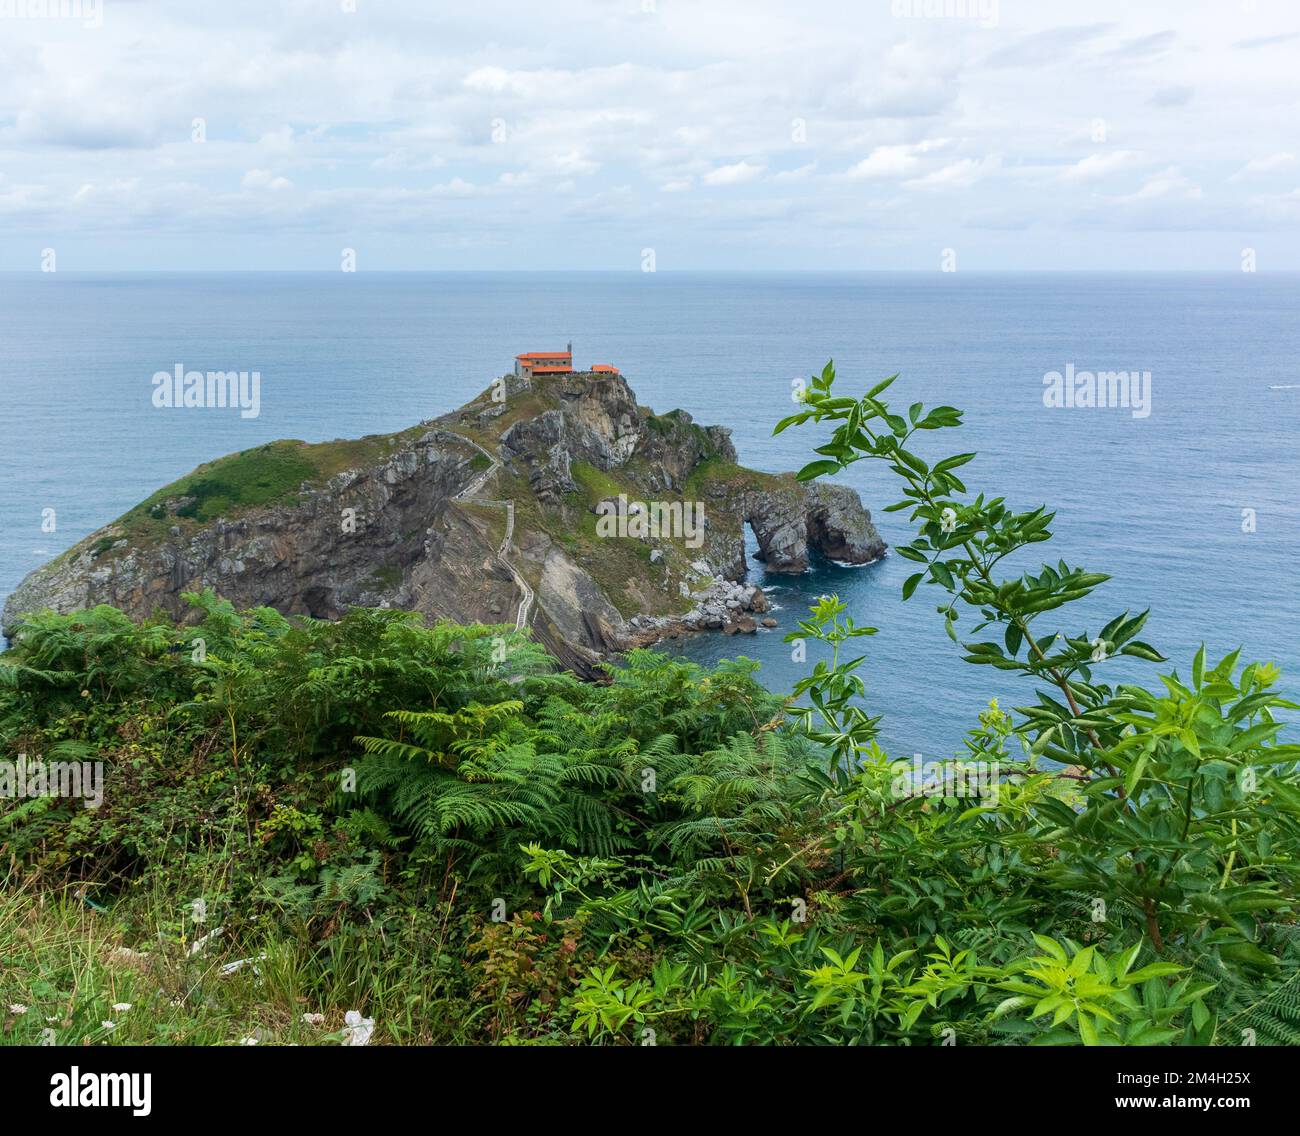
<point x="525" y="590"/>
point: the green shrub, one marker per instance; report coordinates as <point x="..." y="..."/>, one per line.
<point x="436" y="827"/>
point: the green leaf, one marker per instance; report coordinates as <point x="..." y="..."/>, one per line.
<point x="953" y="462"/>
<point x="1051" y="946"/>
<point x="880" y="387"/>
<point x="1135" y="773"/>
<point x="817" y="469"/>
<point x="1153" y="970"/>
<point x="1143" y="651"/>
<point x="1087" y="1031"/>
<point x="1019" y="1001"/>
<point x="1013" y="639"/>
<point x="1249" y="955"/>
<point x="1082" y="961"/>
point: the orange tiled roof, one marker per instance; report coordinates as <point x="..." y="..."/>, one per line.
<point x="552" y="370"/>
<point x="544" y="355"/>
<point x="605" y="368"/>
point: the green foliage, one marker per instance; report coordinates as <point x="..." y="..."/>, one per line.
<point x="434" y="823"/>
<point x="264" y="475"/>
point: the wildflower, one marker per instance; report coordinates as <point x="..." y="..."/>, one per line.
<point x="17" y="1008"/>
<point x="1099" y="650"/>
<point x="109" y="1026"/>
<point x="313" y="1019"/>
<point x="948" y="520"/>
<point x="359" y="1029"/>
<point x="121" y="1007"/>
<point x="248" y="1041"/>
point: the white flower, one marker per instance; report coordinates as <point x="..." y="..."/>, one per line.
<point x="110" y="1026"/>
<point x="947" y="521"/>
<point x="121" y="1007"/>
<point x="248" y="1041"/>
<point x="359" y="1029"/>
<point x="1099" y="651"/>
<point x="313" y="1019"/>
<point x="17" y="1008"/>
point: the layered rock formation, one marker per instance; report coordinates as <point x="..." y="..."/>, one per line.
<point x="622" y="523"/>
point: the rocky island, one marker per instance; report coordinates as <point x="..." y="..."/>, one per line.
<point x="555" y="503"/>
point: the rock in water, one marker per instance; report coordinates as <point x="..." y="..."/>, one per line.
<point x="612" y="512"/>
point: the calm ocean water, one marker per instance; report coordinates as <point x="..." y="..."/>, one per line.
<point x="1157" y="501"/>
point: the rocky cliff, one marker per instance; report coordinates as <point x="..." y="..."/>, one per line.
<point x="560" y="504"/>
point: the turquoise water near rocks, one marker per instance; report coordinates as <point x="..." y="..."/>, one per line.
<point x="1155" y="501"/>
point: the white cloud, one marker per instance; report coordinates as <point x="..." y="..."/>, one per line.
<point x="1168" y="184"/>
<point x="494" y="80"/>
<point x="573" y="164"/>
<point x="956" y="175"/>
<point x="457" y="187"/>
<point x="404" y="160"/>
<point x="1097" y="166"/>
<point x="894" y="161"/>
<point x="735" y="174"/>
<point x="801" y="173"/>
<point x="381" y="124"/>
<point x="1269" y="165"/>
<point x="264" y="179"/>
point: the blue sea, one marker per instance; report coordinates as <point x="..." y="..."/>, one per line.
<point x="1157" y="501"/>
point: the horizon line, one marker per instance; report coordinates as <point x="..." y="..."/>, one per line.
<point x="658" y="272"/>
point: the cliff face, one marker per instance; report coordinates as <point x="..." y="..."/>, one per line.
<point x="560" y="505"/>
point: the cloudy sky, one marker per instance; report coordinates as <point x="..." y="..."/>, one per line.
<point x="722" y="134"/>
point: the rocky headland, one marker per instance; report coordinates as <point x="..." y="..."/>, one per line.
<point x="558" y="504"/>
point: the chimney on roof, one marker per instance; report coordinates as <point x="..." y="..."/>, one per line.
<point x="570" y="346"/>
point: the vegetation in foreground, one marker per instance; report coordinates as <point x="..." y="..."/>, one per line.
<point x="372" y="831"/>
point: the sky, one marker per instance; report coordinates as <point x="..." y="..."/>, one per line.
<point x="627" y="134"/>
